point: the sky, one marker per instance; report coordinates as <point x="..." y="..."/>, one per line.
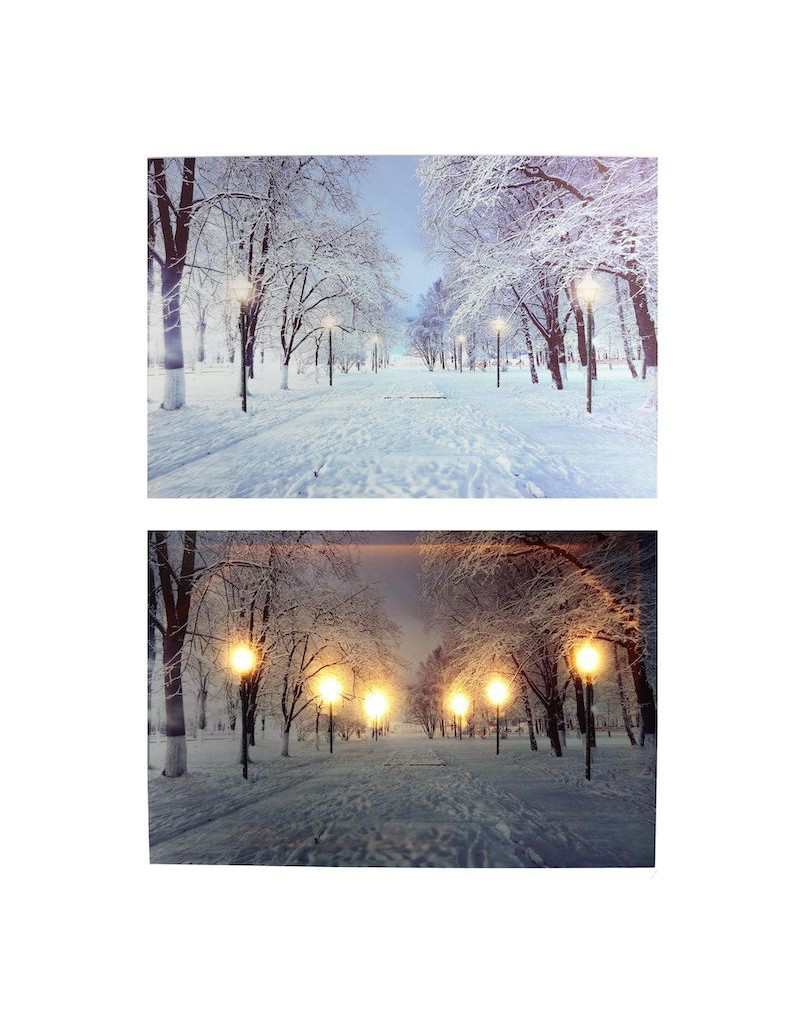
<point x="390" y="560"/>
<point x="390" y="189"/>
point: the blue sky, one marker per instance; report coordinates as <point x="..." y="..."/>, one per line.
<point x="391" y="190"/>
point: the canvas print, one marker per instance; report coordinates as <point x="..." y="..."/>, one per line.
<point x="402" y="699"/>
<point x="434" y="326"/>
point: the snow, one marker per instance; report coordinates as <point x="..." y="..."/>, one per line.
<point x="405" y="800"/>
<point x="404" y="432"/>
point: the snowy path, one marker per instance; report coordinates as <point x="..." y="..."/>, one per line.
<point x="403" y="801"/>
<point x="406" y="432"/>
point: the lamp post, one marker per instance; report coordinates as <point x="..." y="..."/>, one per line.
<point x="376" y="704"/>
<point x="588" y="292"/>
<point x="330" y="324"/>
<point x="330" y="689"/>
<point x="587" y="660"/>
<point x="243" y="660"/>
<point x="241" y="290"/>
<point x="461" y="339"/>
<point x="497" y="691"/>
<point x="459" y="704"/>
<point x="499" y="325"/>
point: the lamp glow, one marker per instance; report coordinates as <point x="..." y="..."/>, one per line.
<point x="587" y="658"/>
<point x="459" y="704"/>
<point x="499" y="324"/>
<point x="376" y="704"/>
<point x="240" y="289"/>
<point x="330" y="689"/>
<point x="329" y="322"/>
<point x="461" y="338"/>
<point x="243" y="658"/>
<point x="497" y="691"/>
<point x="588" y="290"/>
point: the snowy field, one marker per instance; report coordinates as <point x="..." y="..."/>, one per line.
<point x="407" y="801"/>
<point x="404" y="432"/>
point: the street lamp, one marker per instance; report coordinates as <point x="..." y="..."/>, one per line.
<point x="330" y="689"/>
<point x="497" y="690"/>
<point x="376" y="704"/>
<point x="499" y="325"/>
<point x="330" y="324"/>
<point x="375" y="340"/>
<point x="587" y="660"/>
<point x="459" y="704"/>
<point x="461" y="339"/>
<point x="243" y="660"/>
<point x="588" y="291"/>
<point x="241" y="290"/>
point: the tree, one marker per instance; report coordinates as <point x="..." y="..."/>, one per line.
<point x="177" y="580"/>
<point x="174" y="215"/>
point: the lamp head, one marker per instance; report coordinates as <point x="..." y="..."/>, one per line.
<point x="497" y="690"/>
<point x="241" y="289"/>
<point x="242" y="658"/>
<point x="499" y="324"/>
<point x="587" y="658"/>
<point x="330" y="689"/>
<point x="588" y="290"/>
<point x="328" y="322"/>
<point x="376" y="704"/>
<point x="459" y="704"/>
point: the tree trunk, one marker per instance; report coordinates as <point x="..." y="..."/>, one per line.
<point x="644" y="322"/>
<point x="529" y="718"/>
<point x="644" y="693"/>
<point x="529" y="348"/>
<point x="201" y="342"/>
<point x="580" y="705"/>
<point x="174" y="381"/>
<point x="285" y="740"/>
<point x="623" y="702"/>
<point x="552" y="731"/>
<point x="175" y="763"/>
<point x="555" y="358"/>
<point x="623" y="327"/>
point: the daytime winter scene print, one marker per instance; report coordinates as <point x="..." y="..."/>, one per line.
<point x="396" y="326"/>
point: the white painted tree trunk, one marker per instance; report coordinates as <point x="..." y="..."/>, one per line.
<point x="563" y="372"/>
<point x="285" y="742"/>
<point x="174" y="388"/>
<point x="175" y="762"/>
<point x="651" y="399"/>
<point x="284" y="376"/>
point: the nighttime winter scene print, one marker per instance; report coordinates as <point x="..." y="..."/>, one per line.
<point x="398" y="326"/>
<point x="402" y="699"/>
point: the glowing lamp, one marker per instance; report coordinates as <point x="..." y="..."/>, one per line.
<point x="376" y="705"/>
<point x="330" y="689"/>
<point x="459" y="704"/>
<point x="497" y="691"/>
<point x="461" y="338"/>
<point x="588" y="291"/>
<point x="243" y="658"/>
<point x="240" y="289"/>
<point x="587" y="659"/>
<point x="499" y="324"/>
<point x="329" y="322"/>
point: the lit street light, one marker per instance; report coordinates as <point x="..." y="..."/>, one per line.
<point x="588" y="293"/>
<point x="376" y="704"/>
<point x="497" y="691"/>
<point x="330" y="689"/>
<point x="499" y="325"/>
<point x="243" y="660"/>
<point x="459" y="704"/>
<point x="587" y="660"/>
<point x="330" y="324"/>
<point x="241" y="290"/>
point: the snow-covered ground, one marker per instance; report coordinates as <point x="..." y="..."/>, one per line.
<point x="407" y="801"/>
<point x="405" y="432"/>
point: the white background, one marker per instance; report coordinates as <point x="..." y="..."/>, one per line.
<point x="97" y="935"/>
